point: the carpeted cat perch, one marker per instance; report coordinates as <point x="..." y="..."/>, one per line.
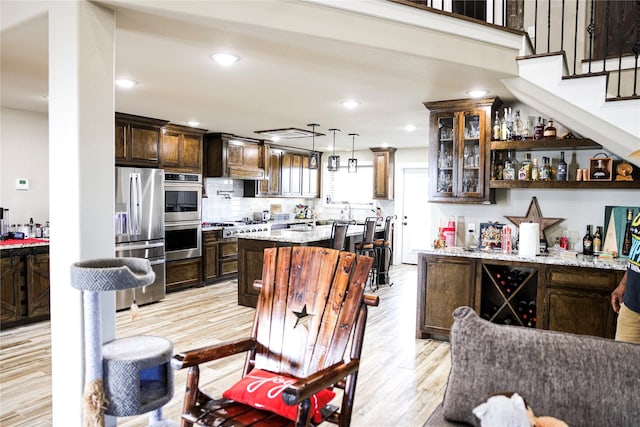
<point x="128" y="376"/>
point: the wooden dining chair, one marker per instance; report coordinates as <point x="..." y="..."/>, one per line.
<point x="311" y="308"/>
<point x="365" y="247"/>
<point x="384" y="252"/>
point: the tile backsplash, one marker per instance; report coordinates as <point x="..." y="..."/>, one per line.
<point x="225" y="200"/>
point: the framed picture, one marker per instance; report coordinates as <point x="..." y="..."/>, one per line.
<point x="334" y="163"/>
<point x="314" y="159"/>
<point x="352" y="166"/>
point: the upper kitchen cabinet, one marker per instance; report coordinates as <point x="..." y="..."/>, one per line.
<point x="459" y="150"/>
<point x="383" y="172"/>
<point x="137" y="140"/>
<point x="182" y="149"/>
<point x="230" y="156"/>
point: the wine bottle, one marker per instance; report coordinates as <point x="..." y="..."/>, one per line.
<point x="562" y="168"/>
<point x="597" y="241"/>
<point x="587" y="242"/>
<point x="626" y="242"/>
<point x="549" y="131"/>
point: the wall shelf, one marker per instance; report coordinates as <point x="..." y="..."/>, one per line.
<point x="547" y="144"/>
<point x="609" y="185"/>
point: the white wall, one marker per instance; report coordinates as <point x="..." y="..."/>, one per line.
<point x="24" y="153"/>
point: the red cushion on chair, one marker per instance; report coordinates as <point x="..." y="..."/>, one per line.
<point x="263" y="390"/>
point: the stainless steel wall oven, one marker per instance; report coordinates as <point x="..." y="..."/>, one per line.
<point x="182" y="197"/>
<point x="182" y="240"/>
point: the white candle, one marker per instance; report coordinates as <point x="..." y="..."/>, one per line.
<point x="529" y="244"/>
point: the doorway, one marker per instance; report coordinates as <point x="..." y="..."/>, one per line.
<point x="416" y="215"/>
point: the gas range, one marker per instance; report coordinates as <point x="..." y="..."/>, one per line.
<point x="234" y="228"/>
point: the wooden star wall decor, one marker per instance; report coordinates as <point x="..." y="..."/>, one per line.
<point x="534" y="215"/>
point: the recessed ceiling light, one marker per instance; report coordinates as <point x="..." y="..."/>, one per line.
<point x="477" y="93"/>
<point x="193" y="123"/>
<point x="385" y="144"/>
<point x="275" y="138"/>
<point x="225" y="59"/>
<point x="126" y="83"/>
<point x="409" y="128"/>
<point x="350" y="104"/>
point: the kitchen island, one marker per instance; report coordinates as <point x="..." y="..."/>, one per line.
<point x="251" y="248"/>
<point x="545" y="292"/>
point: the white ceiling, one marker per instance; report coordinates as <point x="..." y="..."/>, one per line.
<point x="299" y="59"/>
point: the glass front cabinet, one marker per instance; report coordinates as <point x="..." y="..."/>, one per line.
<point x="459" y="150"/>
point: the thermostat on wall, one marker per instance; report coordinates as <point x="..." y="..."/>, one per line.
<point x="22" y="184"/>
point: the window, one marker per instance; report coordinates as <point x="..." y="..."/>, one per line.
<point x="356" y="188"/>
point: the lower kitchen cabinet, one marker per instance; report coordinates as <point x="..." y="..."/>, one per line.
<point x="545" y="296"/>
<point x="578" y="300"/>
<point x="450" y="284"/>
<point x="183" y="273"/>
<point x="228" y="257"/>
<point x="25" y="285"/>
<point x="210" y="255"/>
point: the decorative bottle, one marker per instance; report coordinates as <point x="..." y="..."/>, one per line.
<point x="587" y="242"/>
<point x="524" y="173"/>
<point x="562" y="174"/>
<point x="517" y="127"/>
<point x="496" y="128"/>
<point x="535" y="172"/>
<point x="538" y="130"/>
<point x="597" y="241"/>
<point x="550" y="130"/>
<point x="626" y="242"/>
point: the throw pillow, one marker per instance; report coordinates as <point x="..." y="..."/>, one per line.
<point x="263" y="390"/>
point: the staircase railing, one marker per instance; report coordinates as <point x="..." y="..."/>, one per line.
<point x="594" y="36"/>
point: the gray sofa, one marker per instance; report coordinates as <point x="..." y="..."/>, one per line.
<point x="582" y="380"/>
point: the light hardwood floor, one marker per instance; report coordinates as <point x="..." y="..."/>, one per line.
<point x="401" y="381"/>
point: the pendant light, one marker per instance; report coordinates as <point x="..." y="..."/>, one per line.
<point x="314" y="157"/>
<point x="352" y="165"/>
<point x="334" y="161"/>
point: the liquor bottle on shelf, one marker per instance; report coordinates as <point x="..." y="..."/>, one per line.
<point x="535" y="171"/>
<point x="562" y="174"/>
<point x="524" y="174"/>
<point x="509" y="171"/>
<point x="510" y="125"/>
<point x="526" y="130"/>
<point x="626" y="242"/>
<point x="538" y="130"/>
<point x="517" y="127"/>
<point x="545" y="170"/>
<point x="504" y="130"/>
<point x="597" y="241"/>
<point x="496" y="127"/>
<point x="587" y="242"/>
<point x="549" y="131"/>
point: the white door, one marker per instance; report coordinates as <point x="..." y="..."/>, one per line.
<point x="415" y="220"/>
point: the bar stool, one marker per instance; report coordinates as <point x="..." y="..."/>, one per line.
<point x="366" y="248"/>
<point x="382" y="248"/>
<point x="339" y="235"/>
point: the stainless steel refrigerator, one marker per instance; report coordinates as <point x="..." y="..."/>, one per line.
<point x="139" y="228"/>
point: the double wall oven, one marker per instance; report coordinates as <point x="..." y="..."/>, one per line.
<point x="182" y="214"/>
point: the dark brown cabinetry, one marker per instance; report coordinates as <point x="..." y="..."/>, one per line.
<point x="230" y="156"/>
<point x="578" y="300"/>
<point x="137" y="140"/>
<point x="183" y="273"/>
<point x="459" y="150"/>
<point x="450" y="285"/>
<point x="210" y="255"/>
<point x="287" y="175"/>
<point x="25" y="286"/>
<point x="227" y="257"/>
<point x="560" y="298"/>
<point x="383" y="173"/>
<point x="182" y="149"/>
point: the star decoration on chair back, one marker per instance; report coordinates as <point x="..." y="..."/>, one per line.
<point x="302" y="316"/>
<point x="534" y="215"/>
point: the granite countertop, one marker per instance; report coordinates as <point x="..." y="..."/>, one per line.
<point x="26" y="243"/>
<point x="300" y="236"/>
<point x="578" y="261"/>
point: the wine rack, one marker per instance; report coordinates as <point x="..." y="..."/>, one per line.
<point x="509" y="295"/>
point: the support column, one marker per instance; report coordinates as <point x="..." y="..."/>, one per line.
<point x="81" y="177"/>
